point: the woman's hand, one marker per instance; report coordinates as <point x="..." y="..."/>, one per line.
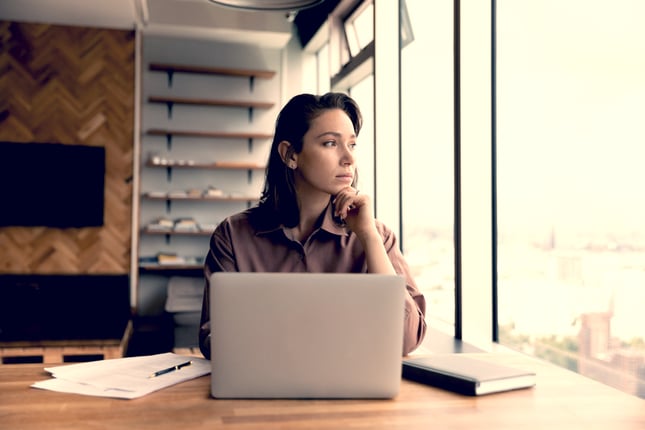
<point x="356" y="210"/>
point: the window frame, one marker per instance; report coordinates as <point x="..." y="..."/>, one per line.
<point x="475" y="299"/>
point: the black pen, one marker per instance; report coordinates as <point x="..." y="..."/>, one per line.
<point x="170" y="369"/>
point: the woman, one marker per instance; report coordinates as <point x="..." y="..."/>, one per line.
<point x="311" y="218"/>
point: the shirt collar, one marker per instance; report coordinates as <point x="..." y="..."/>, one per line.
<point x="328" y="225"/>
<point x="331" y="226"/>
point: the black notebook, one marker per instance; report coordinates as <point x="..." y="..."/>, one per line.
<point x="466" y="375"/>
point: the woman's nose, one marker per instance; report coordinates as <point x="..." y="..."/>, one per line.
<point x="347" y="156"/>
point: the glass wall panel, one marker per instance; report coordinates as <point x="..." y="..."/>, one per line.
<point x="571" y="210"/>
<point x="363" y="93"/>
<point x="427" y="155"/>
<point x="322" y="62"/>
<point x="359" y="27"/>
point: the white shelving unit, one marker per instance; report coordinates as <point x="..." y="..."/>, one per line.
<point x="208" y="111"/>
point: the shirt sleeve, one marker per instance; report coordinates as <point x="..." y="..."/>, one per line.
<point x="220" y="258"/>
<point x="415" y="303"/>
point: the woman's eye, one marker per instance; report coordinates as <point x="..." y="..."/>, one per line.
<point x="329" y="143"/>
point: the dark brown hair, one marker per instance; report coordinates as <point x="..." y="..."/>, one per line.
<point x="293" y="122"/>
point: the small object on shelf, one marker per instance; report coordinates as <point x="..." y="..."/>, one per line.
<point x="177" y="194"/>
<point x="181" y="162"/>
<point x="169" y="163"/>
<point x="237" y="165"/>
<point x="207" y="227"/>
<point x="152" y="262"/>
<point x="156" y="194"/>
<point x="157" y="160"/>
<point x="213" y="192"/>
<point x="161" y="224"/>
<point x="194" y="192"/>
<point x="148" y="260"/>
<point x="169" y="258"/>
<point x="186" y="225"/>
<point x="154" y="158"/>
<point x="197" y="261"/>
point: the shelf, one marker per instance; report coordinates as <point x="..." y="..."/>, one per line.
<point x="227" y="165"/>
<point x="171" y="69"/>
<point x="169" y="199"/>
<point x="209" y="134"/>
<point x="171" y="269"/>
<point x="176" y="233"/>
<point x="204" y="198"/>
<point x="213" y="134"/>
<point x="224" y="165"/>
<point x="248" y="104"/>
<point x="239" y="105"/>
<point x="211" y="102"/>
<point x="206" y="70"/>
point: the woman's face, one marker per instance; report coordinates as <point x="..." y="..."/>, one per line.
<point x="326" y="163"/>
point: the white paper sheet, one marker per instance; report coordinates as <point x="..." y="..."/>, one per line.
<point x="123" y="378"/>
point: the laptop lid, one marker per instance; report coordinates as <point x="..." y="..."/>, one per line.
<point x="306" y="335"/>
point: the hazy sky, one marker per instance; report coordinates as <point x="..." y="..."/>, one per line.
<point x="571" y="109"/>
<point x="571" y="103"/>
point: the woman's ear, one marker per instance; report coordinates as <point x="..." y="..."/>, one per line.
<point x="288" y="155"/>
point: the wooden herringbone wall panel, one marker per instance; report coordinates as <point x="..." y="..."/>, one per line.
<point x="71" y="85"/>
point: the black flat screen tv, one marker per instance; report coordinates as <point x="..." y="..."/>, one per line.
<point x="51" y="185"/>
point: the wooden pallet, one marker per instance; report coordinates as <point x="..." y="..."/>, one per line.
<point x="53" y="352"/>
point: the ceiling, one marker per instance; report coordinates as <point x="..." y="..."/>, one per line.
<point x="190" y="18"/>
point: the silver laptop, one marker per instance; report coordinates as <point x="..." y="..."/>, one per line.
<point x="306" y="335"/>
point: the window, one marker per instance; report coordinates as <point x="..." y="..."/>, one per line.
<point x="351" y="44"/>
<point x="427" y="156"/>
<point x="359" y="28"/>
<point x="363" y="93"/>
<point x="570" y="157"/>
<point x="357" y="79"/>
<point x="322" y="66"/>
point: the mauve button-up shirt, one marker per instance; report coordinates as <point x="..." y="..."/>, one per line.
<point x="248" y="242"/>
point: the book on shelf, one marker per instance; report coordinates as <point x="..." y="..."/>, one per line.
<point x="186" y="225"/>
<point x="157" y="194"/>
<point x="177" y="194"/>
<point x="194" y="192"/>
<point x="156" y="160"/>
<point x="169" y="258"/>
<point x="161" y="224"/>
<point x="213" y="192"/>
<point x="464" y="374"/>
<point x="182" y="162"/>
<point x="148" y="260"/>
<point x="207" y="227"/>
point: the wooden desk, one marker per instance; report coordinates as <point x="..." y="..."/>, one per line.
<point x="560" y="400"/>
